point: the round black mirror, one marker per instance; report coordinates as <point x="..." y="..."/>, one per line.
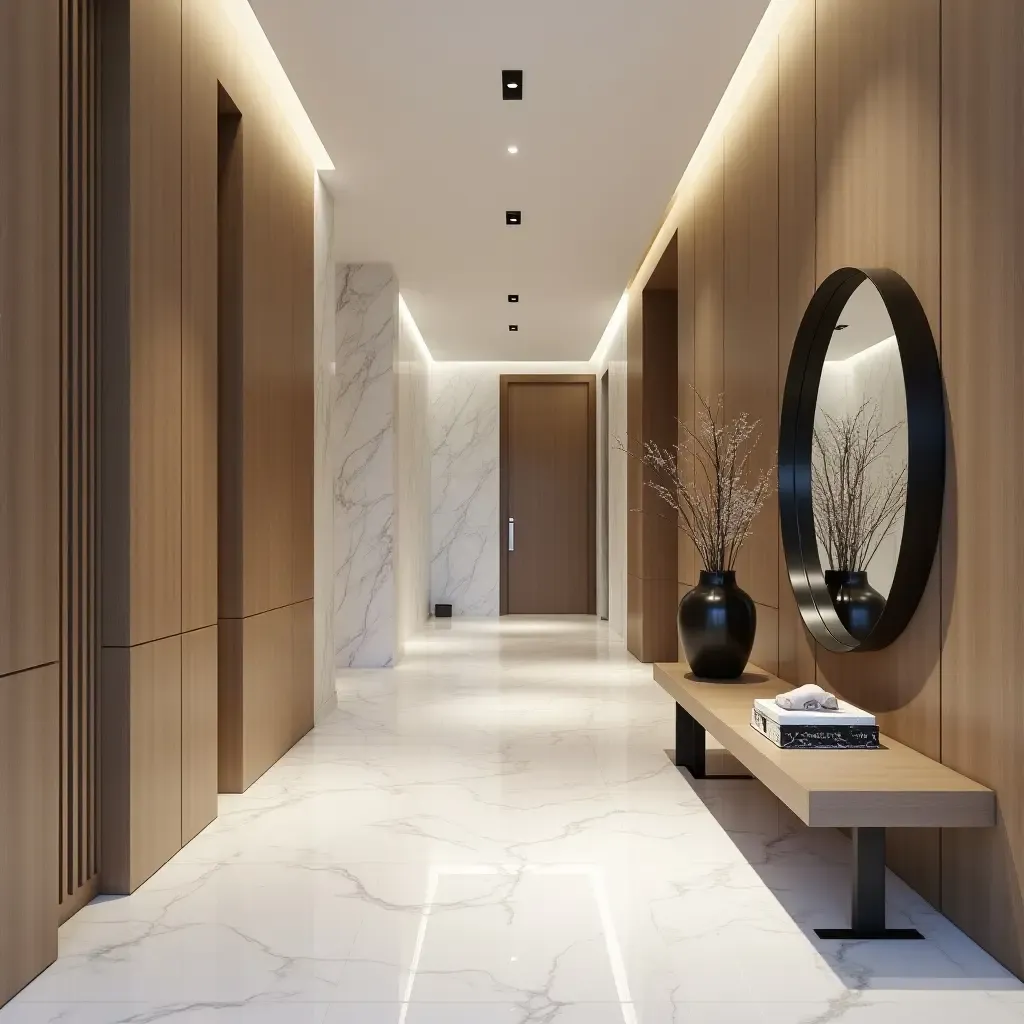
<point x="862" y="459"/>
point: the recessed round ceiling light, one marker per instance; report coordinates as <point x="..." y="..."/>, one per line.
<point x="513" y="149"/>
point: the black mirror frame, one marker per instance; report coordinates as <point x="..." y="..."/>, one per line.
<point x="926" y="457"/>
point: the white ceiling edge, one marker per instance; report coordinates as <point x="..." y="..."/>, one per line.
<point x="765" y="35"/>
<point x="254" y="39"/>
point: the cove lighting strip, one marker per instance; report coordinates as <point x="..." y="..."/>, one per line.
<point x="406" y="314"/>
<point x="761" y="42"/>
<point x="255" y="40"/>
<point x="618" y="318"/>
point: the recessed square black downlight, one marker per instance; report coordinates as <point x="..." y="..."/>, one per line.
<point x="511" y="85"/>
<point x="513" y="327"/>
<point x="513" y="217"/>
<point x="513" y="298"/>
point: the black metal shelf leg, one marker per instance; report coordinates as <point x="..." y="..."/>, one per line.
<point x="867" y="915"/>
<point x="690" y="744"/>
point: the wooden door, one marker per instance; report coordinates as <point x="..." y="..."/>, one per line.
<point x="548" y="438"/>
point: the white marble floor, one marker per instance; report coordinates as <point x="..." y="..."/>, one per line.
<point x="492" y="834"/>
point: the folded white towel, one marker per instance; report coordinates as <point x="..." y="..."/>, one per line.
<point x="809" y="697"/>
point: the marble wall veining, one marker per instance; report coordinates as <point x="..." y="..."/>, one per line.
<point x="362" y="443"/>
<point x="464" y="487"/>
<point x="412" y="480"/>
<point x="465" y="480"/>
<point x="324" y="698"/>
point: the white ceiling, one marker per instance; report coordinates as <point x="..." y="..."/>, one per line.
<point x="406" y="96"/>
<point x="867" y="323"/>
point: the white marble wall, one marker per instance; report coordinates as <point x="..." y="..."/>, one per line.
<point x="614" y="361"/>
<point x="464" y="487"/>
<point x="324" y="699"/>
<point x="412" y="484"/>
<point x="362" y="433"/>
<point x="465" y="480"/>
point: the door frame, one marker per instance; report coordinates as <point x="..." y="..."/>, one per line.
<point x="548" y="378"/>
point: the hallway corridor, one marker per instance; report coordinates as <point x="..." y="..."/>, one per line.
<point x="492" y="834"/>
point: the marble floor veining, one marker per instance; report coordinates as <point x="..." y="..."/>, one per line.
<point x="492" y="834"/>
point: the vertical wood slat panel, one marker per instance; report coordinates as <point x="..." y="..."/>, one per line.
<point x="79" y="459"/>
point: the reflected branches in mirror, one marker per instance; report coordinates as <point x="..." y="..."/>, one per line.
<point x="859" y="494"/>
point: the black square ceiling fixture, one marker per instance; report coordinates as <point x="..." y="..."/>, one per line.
<point x="513" y="298"/>
<point x="513" y="327"/>
<point x="511" y="85"/>
<point x="513" y="217"/>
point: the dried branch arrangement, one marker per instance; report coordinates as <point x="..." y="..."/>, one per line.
<point x="857" y="494"/>
<point x="708" y="481"/>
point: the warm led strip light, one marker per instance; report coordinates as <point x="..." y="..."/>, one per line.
<point x="410" y="323"/>
<point x="252" y="36"/>
<point x="764" y="38"/>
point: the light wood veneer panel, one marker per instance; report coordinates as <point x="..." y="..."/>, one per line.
<point x="687" y="567"/>
<point x="796" y="268"/>
<point x="199" y="427"/>
<point x="751" y="308"/>
<point x="982" y="313"/>
<point x="877" y="162"/>
<point x="29" y="331"/>
<point x="28" y="825"/>
<point x="709" y="278"/>
<point x="141" y="762"/>
<point x="155" y="413"/>
<point x="894" y="786"/>
<point x="198" y="731"/>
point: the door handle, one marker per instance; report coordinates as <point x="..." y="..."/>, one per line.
<point x="511" y="533"/>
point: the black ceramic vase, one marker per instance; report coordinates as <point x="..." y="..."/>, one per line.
<point x="858" y="605"/>
<point x="717" y="622"/>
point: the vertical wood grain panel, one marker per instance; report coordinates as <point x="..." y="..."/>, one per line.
<point x="198" y="731"/>
<point x="79" y="485"/>
<point x="877" y="164"/>
<point x="199" y="426"/>
<point x="29" y="709"/>
<point x="983" y="555"/>
<point x="687" y="568"/>
<point x="29" y="331"/>
<point x="796" y="268"/>
<point x="709" y="278"/>
<point x="154" y="417"/>
<point x="301" y="400"/>
<point x="751" y="315"/>
<point x="634" y="471"/>
<point x="141" y="714"/>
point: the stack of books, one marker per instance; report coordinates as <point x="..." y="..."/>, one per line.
<point x="849" y="728"/>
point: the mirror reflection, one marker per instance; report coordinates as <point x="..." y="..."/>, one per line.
<point x="859" y="462"/>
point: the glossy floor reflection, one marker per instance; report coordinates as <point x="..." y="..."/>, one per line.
<point x="492" y="834"/>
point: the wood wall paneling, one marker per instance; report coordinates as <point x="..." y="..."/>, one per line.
<point x="687" y="567"/>
<point x="751" y="317"/>
<point x="878" y="92"/>
<point x="652" y="338"/>
<point x="709" y="278"/>
<point x="796" y="268"/>
<point x="199" y="349"/>
<point x="634" y="471"/>
<point x="79" y="462"/>
<point x="29" y="331"/>
<point x="155" y="403"/>
<point x="29" y="710"/>
<point x="982" y="310"/>
<point x="199" y="764"/>
<point x="141" y="762"/>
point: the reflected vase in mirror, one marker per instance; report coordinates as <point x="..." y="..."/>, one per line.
<point x="858" y="605"/>
<point x="717" y="623"/>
